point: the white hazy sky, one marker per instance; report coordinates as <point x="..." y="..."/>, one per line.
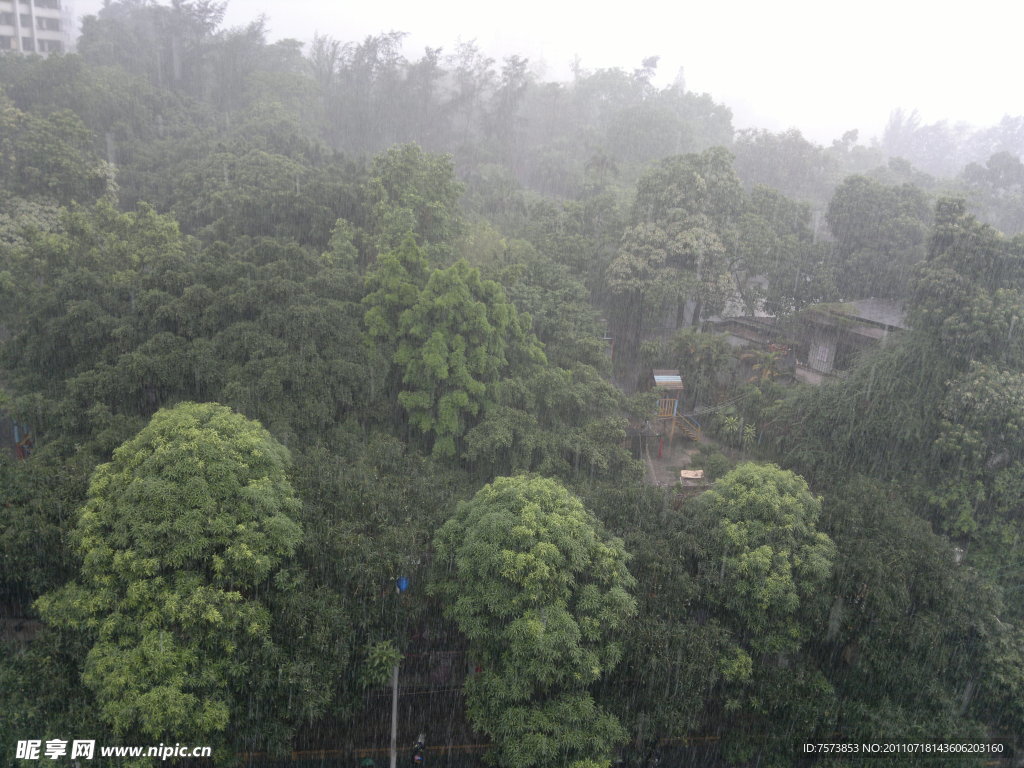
<point x="823" y="67"/>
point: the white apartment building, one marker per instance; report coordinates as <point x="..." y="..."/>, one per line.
<point x="35" y="26"/>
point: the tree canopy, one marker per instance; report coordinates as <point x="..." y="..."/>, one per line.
<point x="181" y="537"/>
<point x="541" y="594"/>
<point x="424" y="274"/>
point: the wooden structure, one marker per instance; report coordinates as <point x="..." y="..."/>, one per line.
<point x="669" y="386"/>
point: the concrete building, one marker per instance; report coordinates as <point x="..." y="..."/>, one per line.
<point x="820" y="342"/>
<point x="35" y="26"/>
<point x="832" y="335"/>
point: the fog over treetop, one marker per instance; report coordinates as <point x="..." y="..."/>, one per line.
<point x="821" y="68"/>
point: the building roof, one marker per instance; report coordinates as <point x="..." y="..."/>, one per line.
<point x="667" y="378"/>
<point x="759" y="330"/>
<point x="884" y="313"/>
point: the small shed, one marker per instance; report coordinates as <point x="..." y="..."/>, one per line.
<point x="692" y="478"/>
<point x="669" y="386"/>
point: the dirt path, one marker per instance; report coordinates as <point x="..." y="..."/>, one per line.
<point x="664" y="470"/>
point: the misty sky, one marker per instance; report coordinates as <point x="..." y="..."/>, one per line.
<point x="821" y="67"/>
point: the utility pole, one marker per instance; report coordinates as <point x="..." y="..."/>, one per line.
<point x="401" y="584"/>
<point x="394" y="716"/>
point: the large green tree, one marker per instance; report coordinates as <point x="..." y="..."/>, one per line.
<point x="541" y="593"/>
<point x="118" y="315"/>
<point x="768" y="559"/>
<point x="907" y="620"/>
<point x="765" y="568"/>
<point x="997" y="189"/>
<point x="786" y="162"/>
<point x="47" y="157"/>
<point x="454" y="336"/>
<point x="880" y="234"/>
<point x="185" y="538"/>
<point x="776" y="265"/>
<point x="675" y="256"/>
<point x="410" y="191"/>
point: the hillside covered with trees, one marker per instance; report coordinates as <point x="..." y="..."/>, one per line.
<point x="318" y="362"/>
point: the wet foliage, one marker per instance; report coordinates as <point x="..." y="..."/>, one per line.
<point x="318" y="363"/>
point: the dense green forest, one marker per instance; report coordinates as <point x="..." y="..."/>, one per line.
<point x="331" y="361"/>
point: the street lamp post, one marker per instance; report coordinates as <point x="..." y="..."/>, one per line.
<point x="394" y="716"/>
